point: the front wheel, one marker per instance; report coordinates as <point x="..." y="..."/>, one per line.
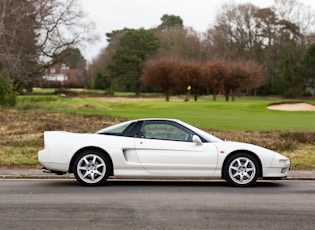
<point x="91" y="168"/>
<point x="242" y="169"/>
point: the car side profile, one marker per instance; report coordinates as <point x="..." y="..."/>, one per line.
<point x="157" y="148"/>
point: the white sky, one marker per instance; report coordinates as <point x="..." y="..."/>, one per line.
<point x="110" y="15"/>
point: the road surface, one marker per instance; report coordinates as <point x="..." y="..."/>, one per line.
<point x="64" y="204"/>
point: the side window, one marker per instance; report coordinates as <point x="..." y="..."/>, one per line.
<point x="165" y="131"/>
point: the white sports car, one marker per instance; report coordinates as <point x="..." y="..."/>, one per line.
<point x="157" y="148"/>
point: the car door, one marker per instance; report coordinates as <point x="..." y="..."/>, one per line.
<point x="166" y="147"/>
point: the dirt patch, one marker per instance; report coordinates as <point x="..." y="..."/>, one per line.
<point x="293" y="107"/>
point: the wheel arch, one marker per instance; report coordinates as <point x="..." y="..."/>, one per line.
<point x="91" y="148"/>
<point x="241" y="151"/>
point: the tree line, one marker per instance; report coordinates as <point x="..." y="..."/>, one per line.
<point x="275" y="39"/>
<point x="171" y="75"/>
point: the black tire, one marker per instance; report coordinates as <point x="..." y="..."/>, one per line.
<point x="241" y="170"/>
<point x="91" y="168"/>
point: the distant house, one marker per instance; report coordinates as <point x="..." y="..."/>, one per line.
<point x="60" y="75"/>
<point x="56" y="73"/>
<point x="311" y="90"/>
<point x="310" y="86"/>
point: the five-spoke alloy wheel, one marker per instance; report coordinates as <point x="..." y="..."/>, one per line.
<point x="241" y="169"/>
<point x="91" y="167"/>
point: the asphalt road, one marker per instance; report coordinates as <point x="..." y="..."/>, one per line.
<point x="63" y="204"/>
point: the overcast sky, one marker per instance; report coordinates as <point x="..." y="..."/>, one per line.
<point x="110" y="15"/>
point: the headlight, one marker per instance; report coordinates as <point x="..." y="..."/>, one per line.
<point x="284" y="160"/>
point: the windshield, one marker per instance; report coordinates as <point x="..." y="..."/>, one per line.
<point x="202" y="133"/>
<point x="118" y="128"/>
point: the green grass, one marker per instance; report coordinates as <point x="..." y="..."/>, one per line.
<point x="52" y="90"/>
<point x="43" y="91"/>
<point x="242" y="114"/>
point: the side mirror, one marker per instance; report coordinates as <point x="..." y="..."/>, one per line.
<point x="196" y="139"/>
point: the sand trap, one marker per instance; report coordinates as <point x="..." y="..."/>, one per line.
<point x="293" y="107"/>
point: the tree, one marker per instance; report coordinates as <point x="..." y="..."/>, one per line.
<point x="255" y="77"/>
<point x="189" y="75"/>
<point x="7" y="95"/>
<point x="56" y="17"/>
<point x="73" y="58"/>
<point x="98" y="66"/>
<point x="169" y="21"/>
<point x="100" y="82"/>
<point x="235" y="78"/>
<point x="307" y="69"/>
<point x="269" y="36"/>
<point x="33" y="34"/>
<point x="299" y="14"/>
<point x="213" y="75"/>
<point x="135" y="47"/>
<point x="234" y="33"/>
<point x="177" y="40"/>
<point x="158" y="74"/>
<point x="180" y="41"/>
<point x="18" y="37"/>
<point x="281" y="47"/>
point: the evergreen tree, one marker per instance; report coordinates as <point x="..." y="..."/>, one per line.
<point x="7" y="95"/>
<point x="307" y="69"/>
<point x="135" y="47"/>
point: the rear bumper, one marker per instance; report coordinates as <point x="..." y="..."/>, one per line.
<point x="43" y="156"/>
<point x="45" y="161"/>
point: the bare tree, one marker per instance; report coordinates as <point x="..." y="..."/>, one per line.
<point x="240" y="75"/>
<point x="296" y="12"/>
<point x="18" y="49"/>
<point x="33" y="34"/>
<point x="158" y="74"/>
<point x="232" y="81"/>
<point x="276" y="37"/>
<point x="63" y="24"/>
<point x="188" y="74"/>
<point x="180" y="41"/>
<point x="255" y="77"/>
<point x="213" y="74"/>
<point x="234" y="32"/>
<point x="98" y="65"/>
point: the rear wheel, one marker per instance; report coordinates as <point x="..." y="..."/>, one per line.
<point x="241" y="169"/>
<point x="91" y="168"/>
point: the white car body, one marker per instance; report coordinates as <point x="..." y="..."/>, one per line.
<point x="200" y="156"/>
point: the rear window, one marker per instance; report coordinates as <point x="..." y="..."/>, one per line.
<point x="115" y="129"/>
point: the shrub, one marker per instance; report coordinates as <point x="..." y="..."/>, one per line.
<point x="7" y="94"/>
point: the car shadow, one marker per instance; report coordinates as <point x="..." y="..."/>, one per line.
<point x="203" y="183"/>
<point x="168" y="183"/>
